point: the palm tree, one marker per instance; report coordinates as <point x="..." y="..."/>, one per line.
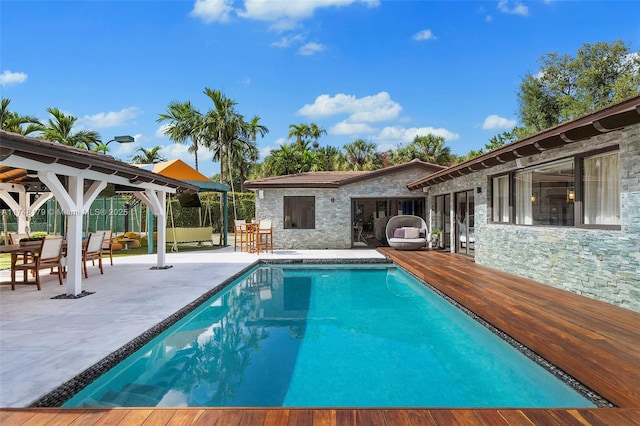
<point x="248" y="154"/>
<point x="60" y="130"/>
<point x="299" y="131"/>
<point x="13" y="122"/>
<point x="254" y="128"/>
<point x="185" y="122"/>
<point x="315" y="132"/>
<point x="330" y="158"/>
<point x="362" y="155"/>
<point x="432" y="149"/>
<point x="225" y="133"/>
<point x="148" y="156"/>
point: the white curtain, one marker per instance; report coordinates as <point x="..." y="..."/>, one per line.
<point x="524" y="213"/>
<point x="501" y="199"/>
<point x="602" y="190"/>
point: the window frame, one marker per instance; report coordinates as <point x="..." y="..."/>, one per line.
<point x="509" y="201"/>
<point x="291" y="199"/>
<point x="578" y="204"/>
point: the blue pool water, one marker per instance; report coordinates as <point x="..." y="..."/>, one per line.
<point x="328" y="336"/>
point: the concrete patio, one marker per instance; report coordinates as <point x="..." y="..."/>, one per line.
<point x="45" y="342"/>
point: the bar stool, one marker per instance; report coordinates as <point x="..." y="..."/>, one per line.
<point x="240" y="229"/>
<point x="264" y="236"/>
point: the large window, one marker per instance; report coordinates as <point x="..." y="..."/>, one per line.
<point x="601" y="189"/>
<point x="579" y="191"/>
<point x="545" y="194"/>
<point x="299" y="212"/>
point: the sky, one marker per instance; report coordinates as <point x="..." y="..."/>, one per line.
<point x="380" y="70"/>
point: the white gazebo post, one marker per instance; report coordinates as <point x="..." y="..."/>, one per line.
<point x="74" y="203"/>
<point x="156" y="201"/>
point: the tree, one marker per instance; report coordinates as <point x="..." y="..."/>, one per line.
<point x="14" y="122"/>
<point x="429" y="148"/>
<point x="60" y="129"/>
<point x="329" y="158"/>
<point x="362" y="155"/>
<point x="300" y="132"/>
<point x="315" y="132"/>
<point x="185" y="122"/>
<point x="148" y="156"/>
<point x="567" y="87"/>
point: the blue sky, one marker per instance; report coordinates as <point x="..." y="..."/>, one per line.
<point x="383" y="71"/>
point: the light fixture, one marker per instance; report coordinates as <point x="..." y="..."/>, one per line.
<point x="533" y="197"/>
<point x="122" y="139"/>
<point x="571" y="195"/>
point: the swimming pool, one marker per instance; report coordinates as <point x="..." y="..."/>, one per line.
<point x="328" y="336"/>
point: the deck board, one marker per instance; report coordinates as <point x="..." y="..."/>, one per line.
<point x="595" y="342"/>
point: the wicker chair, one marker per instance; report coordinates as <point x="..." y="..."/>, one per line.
<point x="410" y="243"/>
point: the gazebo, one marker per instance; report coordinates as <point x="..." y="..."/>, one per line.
<point x="30" y="166"/>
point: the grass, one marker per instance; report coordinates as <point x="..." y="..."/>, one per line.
<point x="5" y="258"/>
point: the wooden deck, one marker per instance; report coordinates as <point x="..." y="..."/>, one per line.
<point x="316" y="417"/>
<point x="595" y="342"/>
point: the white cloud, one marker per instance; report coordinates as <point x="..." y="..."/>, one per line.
<point x="517" y="8"/>
<point x="346" y="128"/>
<point x="424" y="35"/>
<point x="181" y="151"/>
<point x="293" y="11"/>
<point x="212" y="10"/>
<point x="406" y="135"/>
<point x="8" y="78"/>
<point x="288" y="41"/>
<point x="369" y="109"/>
<point x="103" y="120"/>
<point x="160" y="130"/>
<point x="495" y="122"/>
<point x="310" y="49"/>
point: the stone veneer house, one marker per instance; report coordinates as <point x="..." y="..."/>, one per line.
<point x="561" y="207"/>
<point x="338" y="210"/>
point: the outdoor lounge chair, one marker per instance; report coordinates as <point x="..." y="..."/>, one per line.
<point x="406" y="232"/>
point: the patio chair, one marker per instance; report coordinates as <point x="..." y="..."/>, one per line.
<point x="48" y="256"/>
<point x="107" y="244"/>
<point x="15" y="237"/>
<point x="407" y="232"/>
<point x="93" y="251"/>
<point x="264" y="236"/>
<point x="239" y="229"/>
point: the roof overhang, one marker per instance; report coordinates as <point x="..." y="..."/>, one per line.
<point x="614" y="117"/>
<point x="19" y="154"/>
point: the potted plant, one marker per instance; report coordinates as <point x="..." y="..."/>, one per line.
<point x="435" y="238"/>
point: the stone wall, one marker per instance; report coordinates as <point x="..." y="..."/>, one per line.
<point x="599" y="263"/>
<point x="333" y="228"/>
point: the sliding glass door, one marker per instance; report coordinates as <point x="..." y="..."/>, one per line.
<point x="465" y="235"/>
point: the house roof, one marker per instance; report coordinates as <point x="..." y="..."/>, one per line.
<point x="335" y="179"/>
<point x="608" y="119"/>
<point x="49" y="154"/>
